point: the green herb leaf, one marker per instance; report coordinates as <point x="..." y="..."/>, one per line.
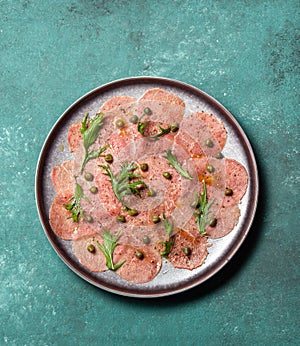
<point x="74" y="206"/>
<point x="109" y="244"/>
<point x="141" y="126"/>
<point x="121" y="184"/>
<point x="84" y="124"/>
<point x="202" y="215"/>
<point x="170" y="242"/>
<point x="163" y="132"/>
<point x="173" y="161"/>
<point x="89" y="134"/>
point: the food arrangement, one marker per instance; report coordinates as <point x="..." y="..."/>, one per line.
<point x="147" y="183"/>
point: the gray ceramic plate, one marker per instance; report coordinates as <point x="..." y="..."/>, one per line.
<point x="170" y="280"/>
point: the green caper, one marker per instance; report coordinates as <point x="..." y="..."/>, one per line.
<point x="93" y="189"/>
<point x="219" y="156"/>
<point x="209" y="143"/>
<point x="91" y="248"/>
<point x="120" y="123"/>
<point x="133" y="212"/>
<point x="146" y="240"/>
<point x="213" y="222"/>
<point x="151" y="193"/>
<point x="88" y="218"/>
<point x="167" y="175"/>
<point x="144" y="167"/>
<point x="228" y="192"/>
<point x="174" y="127"/>
<point x="139" y="254"/>
<point x="147" y="111"/>
<point x="88" y="176"/>
<point x="209" y="168"/>
<point x="108" y="158"/>
<point x="186" y="250"/>
<point x="134" y="119"/>
<point x="155" y="218"/>
<point x="120" y="218"/>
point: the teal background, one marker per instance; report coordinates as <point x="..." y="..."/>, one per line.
<point x="245" y="54"/>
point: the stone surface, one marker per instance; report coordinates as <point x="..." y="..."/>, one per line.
<point x="245" y="54"/>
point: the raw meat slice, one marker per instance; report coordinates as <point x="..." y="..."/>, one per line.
<point x="161" y="95"/>
<point x="198" y="246"/>
<point x="135" y="269"/>
<point x="60" y="222"/>
<point x="216" y="127"/>
<point x="74" y="136"/>
<point x="200" y="132"/>
<point x="227" y="219"/>
<point x="95" y="260"/>
<point x="63" y="178"/>
<point x="116" y="103"/>
<point x="236" y="180"/>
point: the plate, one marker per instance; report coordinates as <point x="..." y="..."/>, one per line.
<point x="170" y="280"/>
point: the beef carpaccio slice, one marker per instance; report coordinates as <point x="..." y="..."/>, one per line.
<point x="197" y="246"/>
<point x="137" y="270"/>
<point x="196" y="143"/>
<point x="92" y="260"/>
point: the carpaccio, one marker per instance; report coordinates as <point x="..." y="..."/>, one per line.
<point x="197" y="142"/>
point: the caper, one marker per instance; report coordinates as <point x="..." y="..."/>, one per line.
<point x="174" y="127"/>
<point x="147" y="111"/>
<point x="120" y="218"/>
<point x="167" y="175"/>
<point x="93" y="189"/>
<point x="155" y="218"/>
<point x="213" y="222"/>
<point x="88" y="176"/>
<point x="209" y="143"/>
<point x="88" y="218"/>
<point x="134" y="119"/>
<point x="108" y="158"/>
<point x="209" y="168"/>
<point x="186" y="250"/>
<point x="219" y="156"/>
<point x="91" y="248"/>
<point x="228" y="192"/>
<point x="144" y="167"/>
<point x="139" y="254"/>
<point x="151" y="193"/>
<point x="146" y="240"/>
<point x="120" y="123"/>
<point x="133" y="212"/>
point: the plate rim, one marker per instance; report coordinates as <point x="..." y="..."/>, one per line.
<point x="186" y="87"/>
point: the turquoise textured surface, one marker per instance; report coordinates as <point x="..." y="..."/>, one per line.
<point x="246" y="55"/>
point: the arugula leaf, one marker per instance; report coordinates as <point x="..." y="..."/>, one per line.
<point x="90" y="133"/>
<point x="173" y="161"/>
<point x="120" y="183"/>
<point x="163" y="131"/>
<point x="170" y="242"/>
<point x="202" y="215"/>
<point x="109" y="244"/>
<point x="74" y="207"/>
<point x="141" y="126"/>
